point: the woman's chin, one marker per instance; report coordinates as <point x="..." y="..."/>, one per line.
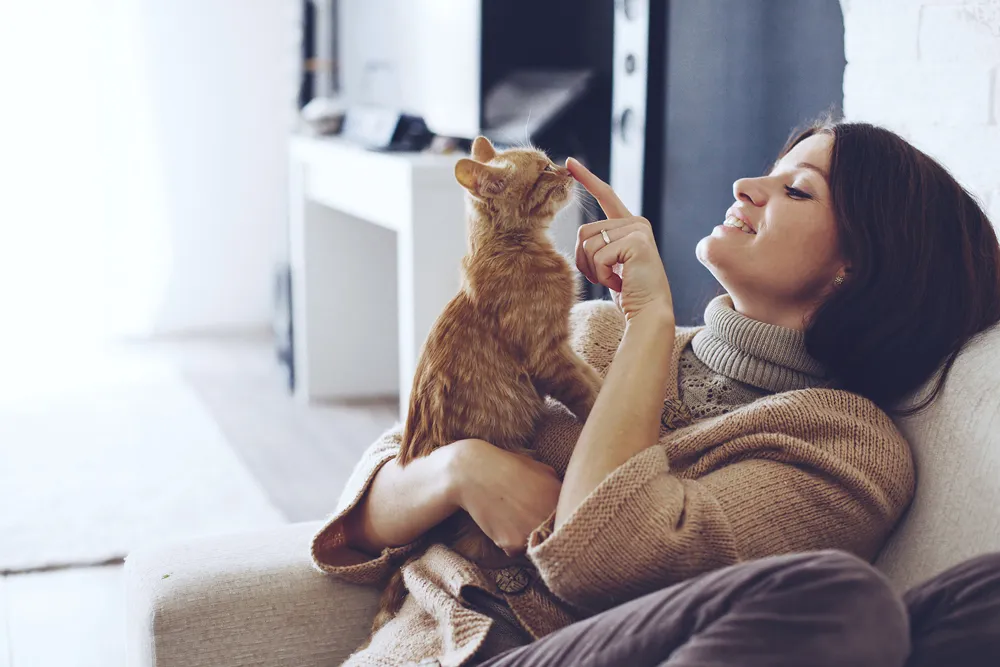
<point x="722" y="242"/>
<point x="710" y="249"/>
<point x="716" y="254"/>
<point x="700" y="251"/>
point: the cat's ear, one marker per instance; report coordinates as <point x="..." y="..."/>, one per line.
<point x="482" y="149"/>
<point x="480" y="179"/>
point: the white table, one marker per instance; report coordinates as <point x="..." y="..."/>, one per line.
<point x="376" y="242"/>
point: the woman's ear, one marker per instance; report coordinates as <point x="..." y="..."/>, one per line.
<point x="482" y="149"/>
<point x="479" y="179"/>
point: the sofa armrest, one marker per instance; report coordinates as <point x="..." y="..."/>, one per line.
<point x="252" y="599"/>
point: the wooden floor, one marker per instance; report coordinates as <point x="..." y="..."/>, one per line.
<point x="300" y="454"/>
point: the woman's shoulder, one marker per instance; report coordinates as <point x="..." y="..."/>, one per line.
<point x="837" y="425"/>
<point x="837" y="416"/>
<point x="829" y="401"/>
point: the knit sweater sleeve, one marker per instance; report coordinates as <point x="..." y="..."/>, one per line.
<point x="330" y="552"/>
<point x="843" y="483"/>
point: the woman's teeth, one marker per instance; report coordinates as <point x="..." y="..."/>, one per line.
<point x="732" y="221"/>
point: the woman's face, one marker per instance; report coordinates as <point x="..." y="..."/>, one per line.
<point x="781" y="264"/>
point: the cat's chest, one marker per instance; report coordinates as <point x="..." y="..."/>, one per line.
<point x="551" y="295"/>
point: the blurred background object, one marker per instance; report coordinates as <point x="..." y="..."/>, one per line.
<point x="460" y="65"/>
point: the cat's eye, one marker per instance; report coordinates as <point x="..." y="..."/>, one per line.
<point x="551" y="168"/>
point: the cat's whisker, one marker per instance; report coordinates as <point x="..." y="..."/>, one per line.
<point x="582" y="199"/>
<point x="588" y="213"/>
<point x="524" y="144"/>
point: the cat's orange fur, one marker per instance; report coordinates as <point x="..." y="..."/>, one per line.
<point x="502" y="343"/>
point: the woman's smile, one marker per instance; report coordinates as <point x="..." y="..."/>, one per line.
<point x="735" y="223"/>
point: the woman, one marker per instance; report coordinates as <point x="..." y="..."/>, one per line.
<point x="852" y="270"/>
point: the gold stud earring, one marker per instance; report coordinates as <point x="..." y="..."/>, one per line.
<point x="838" y="281"/>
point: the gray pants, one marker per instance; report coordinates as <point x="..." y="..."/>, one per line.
<point x="818" y="609"/>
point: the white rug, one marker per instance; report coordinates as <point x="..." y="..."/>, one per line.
<point x="110" y="456"/>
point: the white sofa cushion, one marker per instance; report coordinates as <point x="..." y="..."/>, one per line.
<point x="245" y="600"/>
<point x="956" y="446"/>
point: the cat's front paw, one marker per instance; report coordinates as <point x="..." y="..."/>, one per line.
<point x="596" y="382"/>
<point x="583" y="407"/>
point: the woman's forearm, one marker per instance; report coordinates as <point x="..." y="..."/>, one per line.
<point x="402" y="503"/>
<point x="626" y="416"/>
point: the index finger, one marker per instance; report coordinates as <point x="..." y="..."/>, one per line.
<point x="605" y="196"/>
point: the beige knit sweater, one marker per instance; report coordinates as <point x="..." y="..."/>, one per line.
<point x="803" y="469"/>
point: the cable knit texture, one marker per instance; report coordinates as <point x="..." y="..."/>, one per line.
<point x="762" y="355"/>
<point x="807" y="468"/>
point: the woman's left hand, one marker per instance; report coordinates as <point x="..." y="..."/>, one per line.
<point x="630" y="265"/>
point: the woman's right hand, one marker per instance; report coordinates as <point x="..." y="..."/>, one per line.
<point x="620" y="253"/>
<point x="507" y="495"/>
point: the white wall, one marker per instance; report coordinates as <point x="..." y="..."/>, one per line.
<point x="930" y="70"/>
<point x="143" y="165"/>
<point x="203" y="94"/>
<point x="53" y="201"/>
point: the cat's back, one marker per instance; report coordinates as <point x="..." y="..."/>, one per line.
<point x="459" y="322"/>
<point x="468" y="384"/>
<point x="463" y="344"/>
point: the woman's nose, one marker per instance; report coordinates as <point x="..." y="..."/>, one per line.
<point x="749" y="190"/>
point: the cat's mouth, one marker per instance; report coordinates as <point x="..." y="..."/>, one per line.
<point x="554" y="199"/>
<point x="567" y="187"/>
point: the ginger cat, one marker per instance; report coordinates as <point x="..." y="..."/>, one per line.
<point x="502" y="343"/>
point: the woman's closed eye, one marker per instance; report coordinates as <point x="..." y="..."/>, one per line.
<point x="795" y="193"/>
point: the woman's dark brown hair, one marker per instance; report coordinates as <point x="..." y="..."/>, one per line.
<point x="924" y="268"/>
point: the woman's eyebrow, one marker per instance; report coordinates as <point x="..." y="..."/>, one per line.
<point x="812" y="167"/>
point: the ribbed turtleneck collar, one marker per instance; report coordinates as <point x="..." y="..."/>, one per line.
<point x="759" y="354"/>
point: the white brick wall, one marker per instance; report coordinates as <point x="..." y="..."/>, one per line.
<point x="930" y="70"/>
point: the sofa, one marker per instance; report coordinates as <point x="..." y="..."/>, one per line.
<point x="255" y="599"/>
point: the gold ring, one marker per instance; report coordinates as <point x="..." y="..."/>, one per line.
<point x="607" y="239"/>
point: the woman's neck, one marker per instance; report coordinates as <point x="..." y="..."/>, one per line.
<point x="789" y="316"/>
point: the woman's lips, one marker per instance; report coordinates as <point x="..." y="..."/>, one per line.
<point x="735" y="212"/>
<point x="736" y="223"/>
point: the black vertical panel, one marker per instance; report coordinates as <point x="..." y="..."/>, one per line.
<point x="740" y="74"/>
<point x="306" y="81"/>
<point x="656" y="104"/>
<point x="557" y="34"/>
